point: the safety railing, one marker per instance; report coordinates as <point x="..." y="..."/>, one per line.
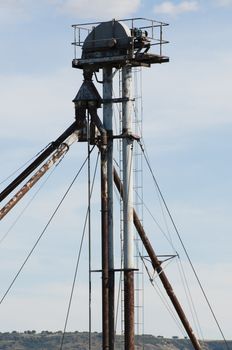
<point x="149" y="27"/>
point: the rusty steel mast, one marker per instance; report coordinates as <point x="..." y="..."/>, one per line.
<point x="111" y="46"/>
<point x="107" y="46"/>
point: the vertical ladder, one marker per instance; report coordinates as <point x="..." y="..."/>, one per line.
<point x="138" y="205"/>
<point x="122" y="343"/>
<point x="138" y="202"/>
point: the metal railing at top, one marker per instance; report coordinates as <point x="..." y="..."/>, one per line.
<point x="153" y="28"/>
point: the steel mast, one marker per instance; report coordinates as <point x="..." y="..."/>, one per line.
<point x="111" y="45"/>
<point x="108" y="125"/>
<point x="127" y="149"/>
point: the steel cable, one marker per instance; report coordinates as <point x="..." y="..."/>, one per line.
<point x="181" y="271"/>
<point x="189" y="298"/>
<point x="24" y="209"/>
<point x="184" y="248"/>
<point x="162" y="297"/>
<point x="89" y="230"/>
<point x="157" y="289"/>
<point x="22" y="166"/>
<point x="29" y="203"/>
<point x="43" y="231"/>
<point x="78" y="258"/>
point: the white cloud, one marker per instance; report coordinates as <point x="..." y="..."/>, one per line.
<point x="14" y="11"/>
<point x="101" y="9"/>
<point x="169" y="8"/>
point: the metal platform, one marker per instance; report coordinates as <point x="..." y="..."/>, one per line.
<point x="144" y="60"/>
<point x="117" y="43"/>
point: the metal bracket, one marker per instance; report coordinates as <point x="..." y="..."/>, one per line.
<point x="127" y="136"/>
<point x="116" y="270"/>
<point x="166" y="258"/>
<point x="117" y="100"/>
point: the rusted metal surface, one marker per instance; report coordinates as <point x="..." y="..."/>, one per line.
<point x="105" y="251"/>
<point x="128" y="227"/>
<point x="129" y="309"/>
<point x="88" y="101"/>
<point x="118" y="60"/>
<point x="97" y="122"/>
<point x="108" y="125"/>
<point x="157" y="267"/>
<point x="44" y="155"/>
<point x="106" y="45"/>
<point x="32" y="181"/>
<point x="111" y="309"/>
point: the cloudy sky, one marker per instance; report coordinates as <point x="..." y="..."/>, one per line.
<point x="187" y="129"/>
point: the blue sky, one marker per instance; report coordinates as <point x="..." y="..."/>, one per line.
<point x="187" y="130"/>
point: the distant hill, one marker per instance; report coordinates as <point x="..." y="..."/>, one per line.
<point x="30" y="340"/>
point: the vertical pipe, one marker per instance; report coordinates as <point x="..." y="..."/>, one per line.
<point x="105" y="250"/>
<point x="89" y="235"/>
<point x="128" y="208"/>
<point x="108" y="125"/>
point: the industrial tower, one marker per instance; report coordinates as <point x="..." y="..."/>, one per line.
<point x="112" y="46"/>
<point x="116" y="45"/>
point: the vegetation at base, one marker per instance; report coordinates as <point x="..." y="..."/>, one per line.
<point x="30" y="340"/>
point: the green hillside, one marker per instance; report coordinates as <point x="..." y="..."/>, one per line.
<point x="30" y="340"/>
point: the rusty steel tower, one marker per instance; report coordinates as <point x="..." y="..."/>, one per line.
<point x="112" y="46"/>
<point x="109" y="47"/>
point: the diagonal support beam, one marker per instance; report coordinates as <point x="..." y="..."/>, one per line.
<point x="44" y="155"/>
<point x="61" y="151"/>
<point x="157" y="266"/>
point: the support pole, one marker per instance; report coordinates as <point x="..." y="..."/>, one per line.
<point x="105" y="250"/>
<point x="157" y="267"/>
<point x="108" y="126"/>
<point x="128" y="208"/>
